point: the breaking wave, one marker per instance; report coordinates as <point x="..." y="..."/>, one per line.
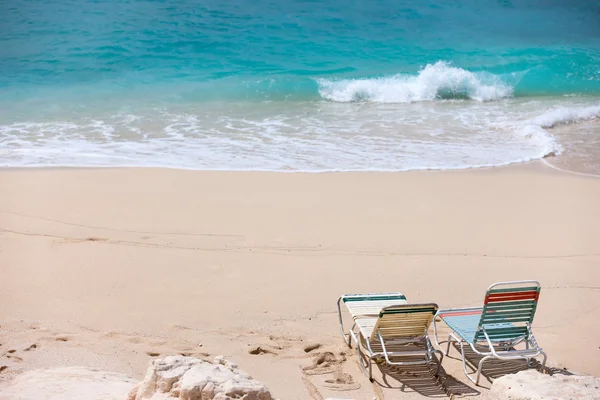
<point x="566" y="115"/>
<point x="435" y="81"/>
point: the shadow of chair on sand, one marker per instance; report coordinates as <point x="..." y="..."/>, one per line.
<point x="421" y="379"/>
<point x="494" y="368"/>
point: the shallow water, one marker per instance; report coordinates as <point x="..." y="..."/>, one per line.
<point x="299" y="85"/>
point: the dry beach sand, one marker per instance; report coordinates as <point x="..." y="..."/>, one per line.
<point x="109" y="268"/>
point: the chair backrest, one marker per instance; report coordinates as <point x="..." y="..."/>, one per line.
<point x="369" y="303"/>
<point x="405" y="321"/>
<point x="509" y="307"/>
<point x="373" y="297"/>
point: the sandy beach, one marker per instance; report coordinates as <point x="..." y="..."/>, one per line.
<point x="109" y="268"/>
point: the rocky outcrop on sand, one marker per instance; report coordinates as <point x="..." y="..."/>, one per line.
<point x="173" y="377"/>
<point x="68" y="383"/>
<point x="532" y="385"/>
<point x="188" y="378"/>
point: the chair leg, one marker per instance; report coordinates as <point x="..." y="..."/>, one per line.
<point x="449" y="342"/>
<point x="439" y="363"/>
<point x="464" y="361"/>
<point x="544" y="360"/>
<point x="348" y="338"/>
<point x="361" y="361"/>
<point x="479" y="368"/>
<point x="431" y="351"/>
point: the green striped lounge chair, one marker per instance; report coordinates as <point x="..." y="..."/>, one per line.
<point x="500" y="329"/>
<point x="387" y="328"/>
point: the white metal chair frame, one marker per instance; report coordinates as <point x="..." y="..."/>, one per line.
<point x="499" y="349"/>
<point x="356" y="335"/>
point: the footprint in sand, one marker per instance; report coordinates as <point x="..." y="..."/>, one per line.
<point x="256" y="350"/>
<point x="342" y="382"/>
<point x="31" y="347"/>
<point x="95" y="239"/>
<point x="329" y="363"/>
<point x="186" y="351"/>
<point x="311" y="347"/>
<point x="10" y="355"/>
<point x="153" y="353"/>
<point x="182" y="327"/>
<point x="201" y="355"/>
<point x="3" y="367"/>
<point x="61" y="338"/>
<point x="325" y="363"/>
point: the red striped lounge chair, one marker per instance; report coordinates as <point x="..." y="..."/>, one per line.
<point x="496" y="329"/>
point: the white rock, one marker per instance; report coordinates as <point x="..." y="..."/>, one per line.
<point x="220" y="360"/>
<point x="188" y="378"/>
<point x="162" y="375"/>
<point x="533" y="385"/>
<point x="68" y="383"/>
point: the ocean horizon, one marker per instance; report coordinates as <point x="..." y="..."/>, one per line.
<point x="309" y="86"/>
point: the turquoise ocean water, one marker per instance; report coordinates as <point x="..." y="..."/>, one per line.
<point x="297" y="85"/>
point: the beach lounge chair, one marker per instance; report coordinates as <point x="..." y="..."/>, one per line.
<point x="368" y="304"/>
<point x="386" y="331"/>
<point x="493" y="331"/>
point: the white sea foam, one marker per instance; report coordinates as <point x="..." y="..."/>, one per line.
<point x="435" y="81"/>
<point x="308" y="137"/>
<point x="566" y="115"/>
<point x="535" y="129"/>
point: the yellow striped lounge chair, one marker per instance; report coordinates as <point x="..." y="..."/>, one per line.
<point x="499" y="327"/>
<point x="387" y="328"/>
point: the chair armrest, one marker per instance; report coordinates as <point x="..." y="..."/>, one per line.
<point x="457" y="310"/>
